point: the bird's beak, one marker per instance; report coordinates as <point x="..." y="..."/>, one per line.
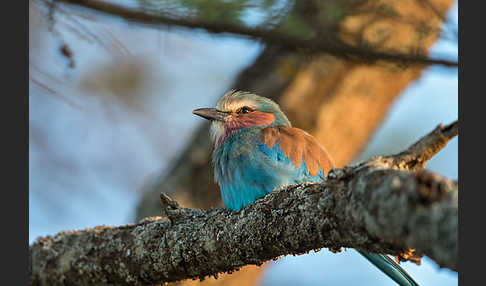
<point x="211" y="114"/>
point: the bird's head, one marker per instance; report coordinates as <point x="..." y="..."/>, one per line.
<point x="237" y="110"/>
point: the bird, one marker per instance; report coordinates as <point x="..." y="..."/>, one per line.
<point x="257" y="151"/>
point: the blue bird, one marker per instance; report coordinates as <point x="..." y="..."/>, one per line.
<point x="257" y="151"/>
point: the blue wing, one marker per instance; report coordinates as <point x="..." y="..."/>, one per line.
<point x="247" y="168"/>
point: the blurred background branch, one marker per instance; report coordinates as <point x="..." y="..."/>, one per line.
<point x="308" y="42"/>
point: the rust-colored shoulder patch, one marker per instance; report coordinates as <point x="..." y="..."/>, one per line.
<point x="269" y="136"/>
<point x="298" y="145"/>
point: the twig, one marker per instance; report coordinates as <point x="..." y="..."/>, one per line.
<point x="415" y="157"/>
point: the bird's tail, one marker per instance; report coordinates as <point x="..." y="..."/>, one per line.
<point x="390" y="268"/>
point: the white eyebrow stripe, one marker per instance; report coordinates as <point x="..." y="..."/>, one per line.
<point x="234" y="104"/>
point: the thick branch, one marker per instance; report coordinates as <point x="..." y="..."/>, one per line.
<point x="374" y="206"/>
<point x="292" y="43"/>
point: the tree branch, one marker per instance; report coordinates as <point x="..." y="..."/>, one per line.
<point x="292" y="43"/>
<point x="376" y="206"/>
<point x="415" y="157"/>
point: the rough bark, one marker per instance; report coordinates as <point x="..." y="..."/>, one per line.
<point x="385" y="205"/>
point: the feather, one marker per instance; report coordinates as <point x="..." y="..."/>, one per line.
<point x="298" y="146"/>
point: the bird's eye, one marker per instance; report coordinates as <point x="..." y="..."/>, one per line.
<point x="243" y="110"/>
